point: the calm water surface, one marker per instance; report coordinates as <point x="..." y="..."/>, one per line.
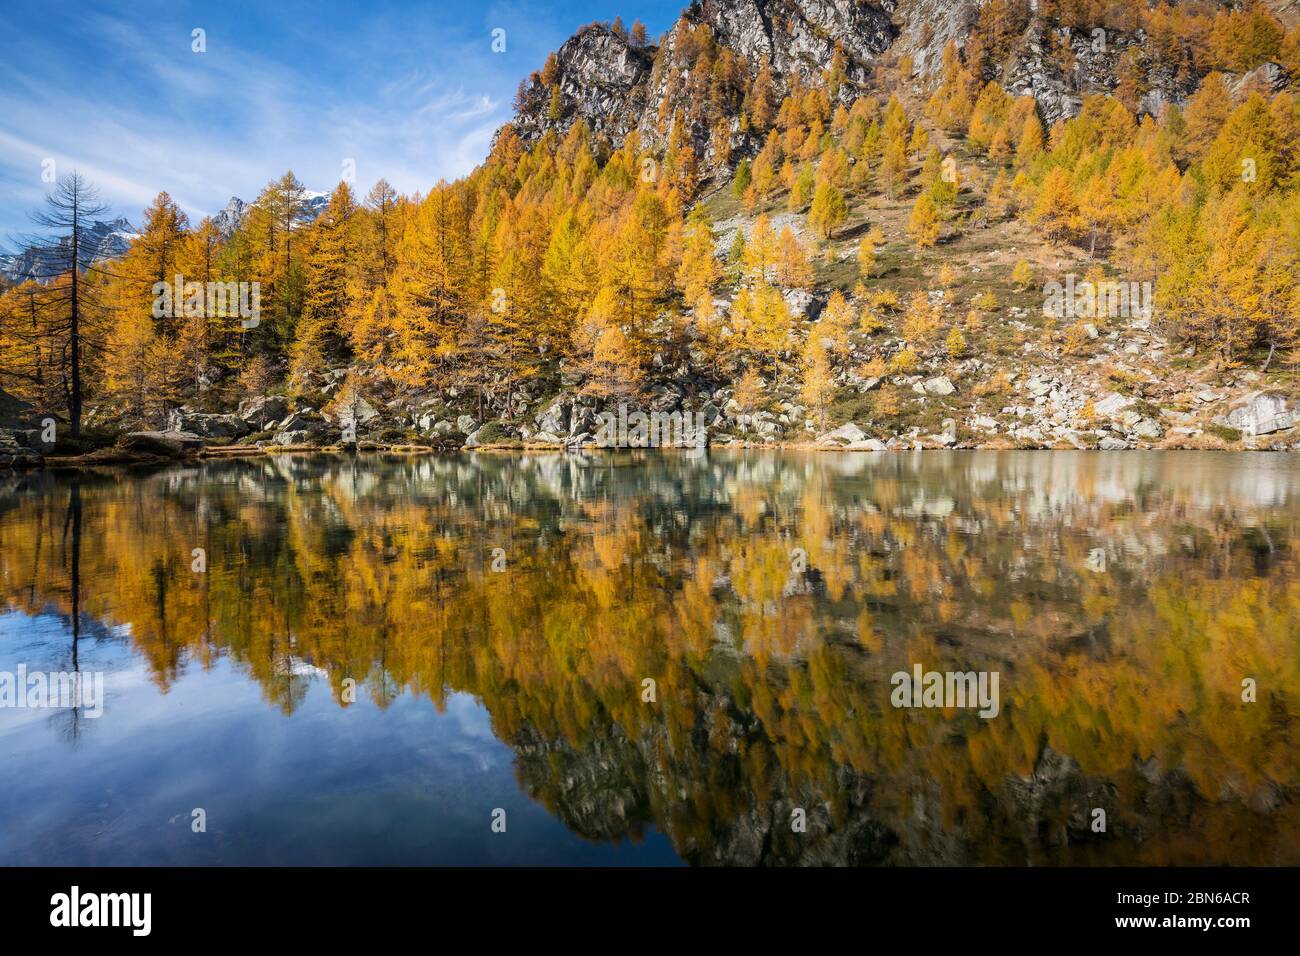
<point x="499" y="615"/>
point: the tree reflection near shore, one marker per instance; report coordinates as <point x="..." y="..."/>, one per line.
<point x="1121" y="688"/>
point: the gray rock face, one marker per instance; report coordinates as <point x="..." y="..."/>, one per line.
<point x="358" y="413"/>
<point x="1033" y="71"/>
<point x="601" y="79"/>
<point x="867" y="444"/>
<point x="263" y="410"/>
<point x="798" y="300"/>
<point x="1112" y="405"/>
<point x="844" y="435"/>
<point x="554" y="418"/>
<point x="15" y="453"/>
<point x="798" y="37"/>
<point x="172" y="444"/>
<point x="102" y="240"/>
<point x="207" y="426"/>
<point x="1267" y="77"/>
<point x="582" y="422"/>
<point x="939" y="385"/>
<point x="614" y="86"/>
<point x="930" y="25"/>
<point x="293" y="437"/>
<point x="230" y="218"/>
<point x="1148" y="429"/>
<point x="300" y="421"/>
<point x="1261" y="415"/>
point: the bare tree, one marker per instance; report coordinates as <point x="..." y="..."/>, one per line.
<point x="65" y="252"/>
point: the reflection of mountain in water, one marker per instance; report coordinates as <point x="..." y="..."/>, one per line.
<point x="1120" y="690"/>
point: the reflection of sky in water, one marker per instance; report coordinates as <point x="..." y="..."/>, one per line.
<point x="362" y="786"/>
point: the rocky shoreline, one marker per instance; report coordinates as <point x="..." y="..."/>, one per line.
<point x="25" y="459"/>
<point x="1046" y="414"/>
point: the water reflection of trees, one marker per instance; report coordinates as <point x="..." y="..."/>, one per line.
<point x="1121" y="690"/>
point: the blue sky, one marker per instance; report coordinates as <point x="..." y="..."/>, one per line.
<point x="409" y="91"/>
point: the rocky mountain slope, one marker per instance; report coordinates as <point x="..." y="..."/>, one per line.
<point x="102" y="240"/>
<point x="108" y="240"/>
<point x="230" y="217"/>
<point x="232" y="214"/>
<point x="615" y="86"/>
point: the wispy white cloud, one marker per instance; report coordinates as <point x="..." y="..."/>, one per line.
<point x="208" y="126"/>
<point x="408" y="91"/>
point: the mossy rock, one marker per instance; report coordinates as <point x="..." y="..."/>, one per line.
<point x="89" y="440"/>
<point x="398" y="436"/>
<point x="447" y="441"/>
<point x="493" y="433"/>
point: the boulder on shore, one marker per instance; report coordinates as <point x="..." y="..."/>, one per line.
<point x="447" y="440"/>
<point x="15" y="454"/>
<point x="207" y="426"/>
<point x="1263" y="414"/>
<point x="294" y="436"/>
<point x="358" y="413"/>
<point x="844" y="435"/>
<point x="263" y="410"/>
<point x="554" y="418"/>
<point x="1147" y="429"/>
<point x="171" y="444"/>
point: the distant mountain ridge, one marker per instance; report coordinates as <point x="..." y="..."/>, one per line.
<point x="104" y="239"/>
<point x="605" y="78"/>
<point x="110" y="239"/>
<point x="231" y="217"/>
<point x="614" y="85"/>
